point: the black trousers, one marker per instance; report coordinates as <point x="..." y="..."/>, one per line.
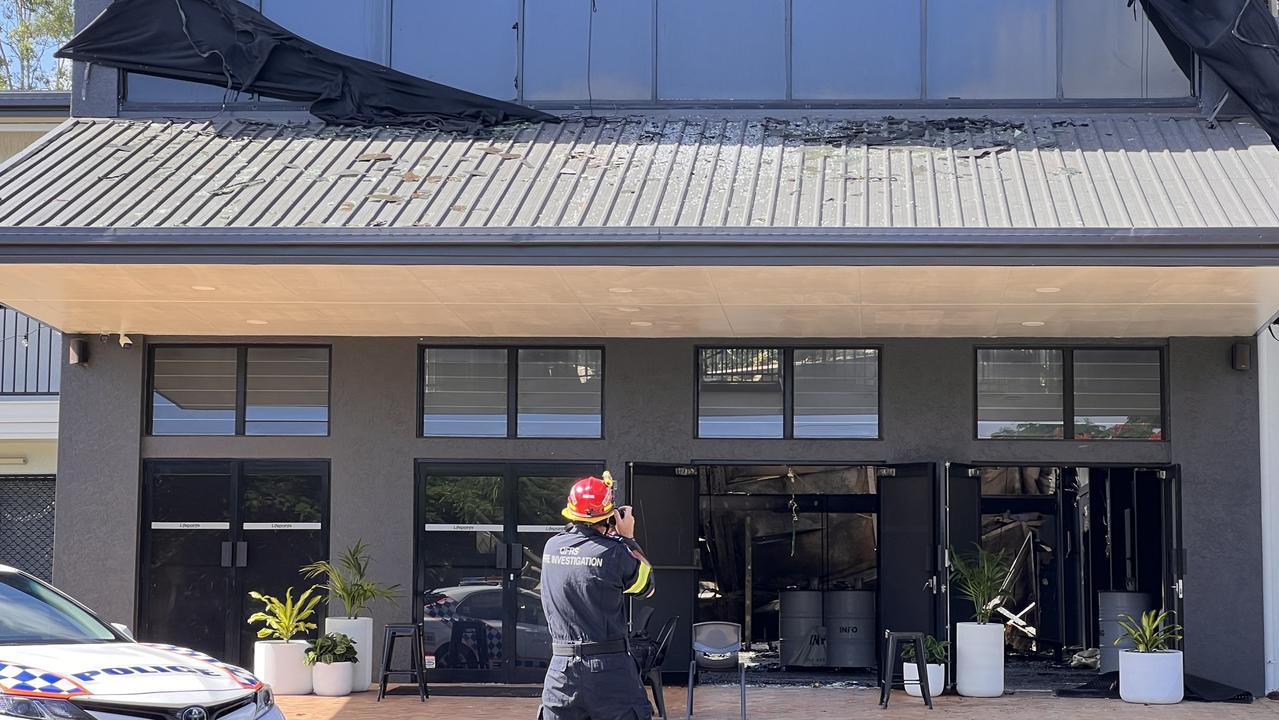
<point x="598" y="687"/>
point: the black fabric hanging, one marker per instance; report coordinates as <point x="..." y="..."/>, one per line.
<point x="1237" y="39"/>
<point x="228" y="44"/>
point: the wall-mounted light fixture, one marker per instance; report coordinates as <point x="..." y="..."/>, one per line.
<point x="13" y="460"/>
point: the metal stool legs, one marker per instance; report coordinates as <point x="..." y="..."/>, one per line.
<point x="889" y="661"/>
<point x="415" y="671"/>
<point x="692" y="678"/>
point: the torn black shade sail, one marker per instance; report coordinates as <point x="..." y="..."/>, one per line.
<point x="1237" y="39"/>
<point x="228" y="44"/>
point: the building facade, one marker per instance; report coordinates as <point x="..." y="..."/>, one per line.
<point x="830" y="311"/>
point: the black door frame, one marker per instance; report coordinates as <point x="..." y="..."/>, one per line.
<point x="235" y="471"/>
<point x="510" y="471"/>
<point x="1175" y="552"/>
<point x="884" y="469"/>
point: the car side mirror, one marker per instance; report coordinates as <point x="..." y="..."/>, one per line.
<point x="124" y="630"/>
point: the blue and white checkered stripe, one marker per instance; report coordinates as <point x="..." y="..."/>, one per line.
<point x="245" y="678"/>
<point x="21" y="680"/>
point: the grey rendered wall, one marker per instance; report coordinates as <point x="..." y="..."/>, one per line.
<point x="927" y="416"/>
<point x="96" y="522"/>
<point x="97" y="93"/>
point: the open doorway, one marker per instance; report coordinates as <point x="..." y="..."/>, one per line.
<point x="813" y="560"/>
<point x="1085" y="545"/>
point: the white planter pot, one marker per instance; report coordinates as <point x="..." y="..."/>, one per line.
<point x="1156" y="678"/>
<point x="360" y="630"/>
<point x="332" y="679"/>
<point x="936" y="679"/>
<point x="979" y="659"/>
<point x="282" y="665"/>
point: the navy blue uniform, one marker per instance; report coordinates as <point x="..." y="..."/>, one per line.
<point x="585" y="578"/>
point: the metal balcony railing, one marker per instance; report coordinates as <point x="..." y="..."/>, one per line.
<point x="30" y="355"/>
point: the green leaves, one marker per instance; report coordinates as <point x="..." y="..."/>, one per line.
<point x="979" y="577"/>
<point x="1150" y="634"/>
<point x="935" y="651"/>
<point x="331" y="648"/>
<point x="347" y="580"/>
<point x="285" y="619"/>
<point x="30" y="31"/>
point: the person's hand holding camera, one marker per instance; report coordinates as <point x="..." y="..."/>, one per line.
<point x="624" y="521"/>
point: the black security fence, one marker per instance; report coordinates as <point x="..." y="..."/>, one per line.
<point x="26" y="523"/>
<point x="29" y="355"/>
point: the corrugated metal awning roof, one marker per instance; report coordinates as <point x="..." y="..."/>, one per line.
<point x="1038" y="172"/>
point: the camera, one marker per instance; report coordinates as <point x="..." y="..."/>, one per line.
<point x="126" y="342"/>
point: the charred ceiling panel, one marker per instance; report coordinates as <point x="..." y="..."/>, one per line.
<point x="228" y="44"/>
<point x="1237" y="39"/>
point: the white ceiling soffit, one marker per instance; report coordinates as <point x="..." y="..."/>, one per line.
<point x="720" y="302"/>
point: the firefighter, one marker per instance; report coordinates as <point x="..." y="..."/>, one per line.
<point x="587" y="572"/>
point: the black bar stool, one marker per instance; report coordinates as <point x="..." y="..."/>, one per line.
<point x="889" y="661"/>
<point x="416" y="671"/>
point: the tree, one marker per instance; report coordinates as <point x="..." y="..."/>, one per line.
<point x="30" y="32"/>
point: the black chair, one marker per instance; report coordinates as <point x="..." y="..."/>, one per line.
<point x="652" y="673"/>
<point x="889" y="662"/>
<point x="417" y="658"/>
<point x="642" y="618"/>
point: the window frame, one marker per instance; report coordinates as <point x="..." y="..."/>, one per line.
<point x="788" y="390"/>
<point x="512" y="391"/>
<point x="241" y="387"/>
<point x="1068" y="391"/>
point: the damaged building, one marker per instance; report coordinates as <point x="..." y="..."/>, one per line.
<point x="835" y="288"/>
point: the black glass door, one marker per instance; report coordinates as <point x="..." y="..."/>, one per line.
<point x="215" y="529"/>
<point x="187" y="557"/>
<point x="665" y="498"/>
<point x="282" y="509"/>
<point x="910" y="581"/>
<point x="479" y="559"/>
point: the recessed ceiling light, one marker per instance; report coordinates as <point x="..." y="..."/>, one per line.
<point x="256" y="322"/>
<point x="1047" y="290"/>
<point x="628" y="309"/>
<point x="203" y="288"/>
<point x="619" y="290"/>
<point x="1033" y="323"/>
<point x="641" y="323"/>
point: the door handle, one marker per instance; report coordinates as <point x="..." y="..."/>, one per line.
<point x="226" y="555"/>
<point x="241" y="554"/>
<point x="502" y="556"/>
<point x="931" y="584"/>
<point x="516" y="558"/>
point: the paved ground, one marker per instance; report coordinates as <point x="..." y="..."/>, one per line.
<point x="717" y="703"/>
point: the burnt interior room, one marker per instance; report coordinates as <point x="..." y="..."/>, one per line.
<point x="803" y="535"/>
<point x="1084" y="543"/>
<point x="798" y="556"/>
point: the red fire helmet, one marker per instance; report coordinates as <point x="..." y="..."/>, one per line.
<point x="590" y="500"/>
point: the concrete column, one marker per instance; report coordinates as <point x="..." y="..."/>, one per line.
<point x="96" y="518"/>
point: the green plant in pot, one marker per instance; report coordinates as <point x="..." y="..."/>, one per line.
<point x="347" y="581"/>
<point x="1151" y="671"/>
<point x="936" y="653"/>
<point x="980" y="577"/>
<point x="277" y="660"/>
<point x="332" y="658"/>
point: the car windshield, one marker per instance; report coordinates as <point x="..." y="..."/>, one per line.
<point x="32" y="613"/>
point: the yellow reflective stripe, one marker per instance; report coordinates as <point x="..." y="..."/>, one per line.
<point x="641" y="579"/>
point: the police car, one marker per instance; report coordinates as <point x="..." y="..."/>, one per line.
<point x="59" y="661"/>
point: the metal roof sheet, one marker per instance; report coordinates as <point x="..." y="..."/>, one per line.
<point x="1035" y="172"/>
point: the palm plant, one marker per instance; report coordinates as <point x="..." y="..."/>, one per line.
<point x="1151" y="634"/>
<point x="285" y="619"/>
<point x="980" y="579"/>
<point x="348" y="581"/>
